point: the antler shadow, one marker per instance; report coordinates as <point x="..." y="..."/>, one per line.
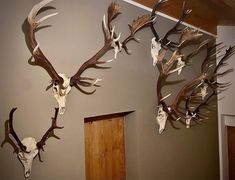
<point x="8" y="139"/>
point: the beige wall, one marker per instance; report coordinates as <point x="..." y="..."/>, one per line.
<point x="226" y="105"/>
<point x="75" y="36"/>
<point x="226" y="102"/>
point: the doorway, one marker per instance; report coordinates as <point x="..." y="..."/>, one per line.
<point x="105" y="148"/>
<point x="227" y="146"/>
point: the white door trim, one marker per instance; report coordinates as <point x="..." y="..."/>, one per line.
<point x="224" y="121"/>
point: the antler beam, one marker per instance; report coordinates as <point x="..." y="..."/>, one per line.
<point x="49" y="133"/>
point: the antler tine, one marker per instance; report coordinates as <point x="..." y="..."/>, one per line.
<point x="137" y="25"/>
<point x="84" y="91"/>
<point x="39" y="58"/>
<point x="223" y="86"/>
<point x="201" y="46"/>
<point x="105" y="29"/>
<point x="13" y="133"/>
<point x="113" y="12"/>
<point x="174" y="29"/>
<point x="33" y="13"/>
<point x="157" y="5"/>
<point x="197" y="109"/>
<point x="153" y="14"/>
<point x="8" y="139"/>
<point x="229" y="52"/>
<point x="49" y="132"/>
<point x="211" y="51"/>
<point x="225" y="72"/>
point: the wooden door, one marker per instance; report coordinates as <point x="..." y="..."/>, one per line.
<point x="104" y="148"/>
<point x="231" y="151"/>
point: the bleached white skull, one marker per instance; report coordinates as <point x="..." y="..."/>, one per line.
<point x="180" y="65"/>
<point x="189" y="118"/>
<point x="204" y="92"/>
<point x="60" y="94"/>
<point x="27" y="158"/>
<point x="155" y="49"/>
<point x="161" y="119"/>
<point x="116" y="44"/>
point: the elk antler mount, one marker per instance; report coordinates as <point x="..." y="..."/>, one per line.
<point x="28" y="148"/>
<point x="196" y="94"/>
<point x="60" y="82"/>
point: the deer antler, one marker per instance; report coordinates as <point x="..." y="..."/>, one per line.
<point x="198" y="92"/>
<point x="137" y="25"/>
<point x="161" y="44"/>
<point x="210" y="83"/>
<point x="159" y="4"/>
<point x="187" y="34"/>
<point x="37" y="54"/>
<point x="192" y="91"/>
<point x="29" y="143"/>
<point x="49" y="133"/>
<point x="13" y="133"/>
<point x="175" y="29"/>
<point x="8" y="139"/>
<point x="60" y="82"/>
<point x="112" y="41"/>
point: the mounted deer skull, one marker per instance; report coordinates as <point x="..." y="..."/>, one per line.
<point x="26" y="158"/>
<point x="60" y="82"/>
<point x="61" y="94"/>
<point x="155" y="50"/>
<point x="197" y="93"/>
<point x="161" y="118"/>
<point x="28" y="148"/>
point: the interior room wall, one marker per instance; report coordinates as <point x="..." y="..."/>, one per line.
<point x="226" y="98"/>
<point x="226" y="105"/>
<point x="129" y="85"/>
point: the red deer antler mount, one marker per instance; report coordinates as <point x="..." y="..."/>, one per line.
<point x="60" y="82"/>
<point x="196" y="94"/>
<point x="28" y="148"/>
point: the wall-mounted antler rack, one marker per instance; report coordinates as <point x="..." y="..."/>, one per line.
<point x="196" y="94"/>
<point x="60" y="82"/>
<point x="28" y="148"/>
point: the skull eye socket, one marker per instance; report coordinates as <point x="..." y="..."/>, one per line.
<point x="56" y="90"/>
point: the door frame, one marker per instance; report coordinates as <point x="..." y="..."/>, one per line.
<point x="224" y="121"/>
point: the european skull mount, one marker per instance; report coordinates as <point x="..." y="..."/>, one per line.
<point x="169" y="56"/>
<point x="28" y="148"/>
<point x="61" y="83"/>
